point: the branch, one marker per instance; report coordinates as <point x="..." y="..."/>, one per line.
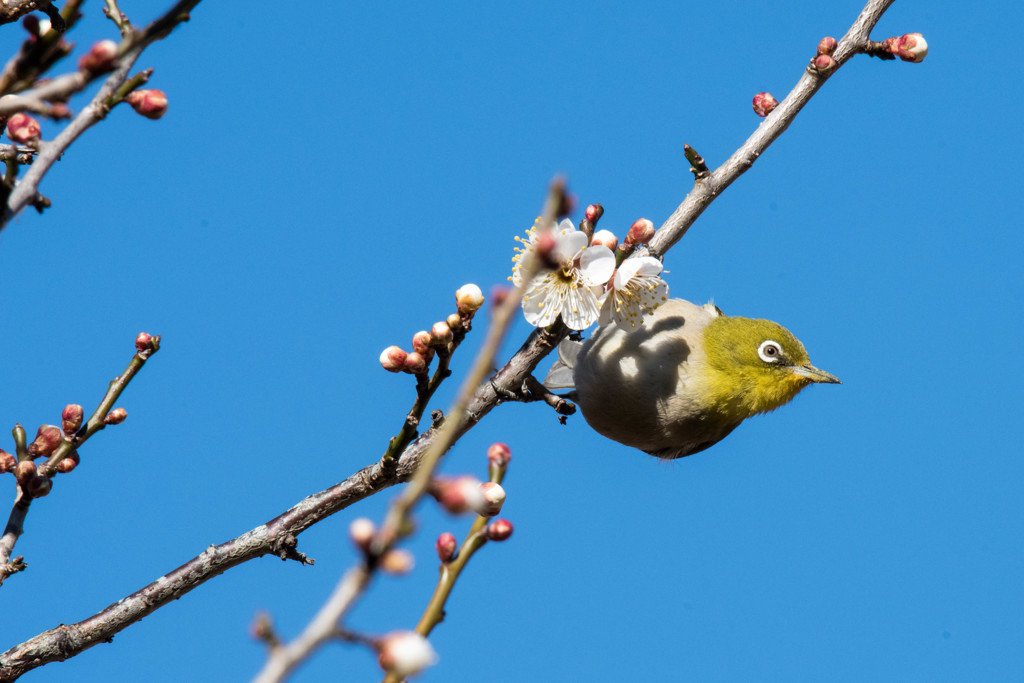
<point x="112" y="92"/>
<point x="709" y="187"/>
<point x="146" y="346"/>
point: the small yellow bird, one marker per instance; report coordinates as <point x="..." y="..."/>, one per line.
<point x="685" y="379"/>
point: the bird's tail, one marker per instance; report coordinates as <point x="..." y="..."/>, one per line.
<point x="560" y="374"/>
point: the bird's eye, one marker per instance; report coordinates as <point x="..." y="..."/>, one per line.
<point x="769" y="351"/>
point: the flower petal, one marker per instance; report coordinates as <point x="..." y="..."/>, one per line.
<point x="597" y="263"/>
<point x="568" y="245"/>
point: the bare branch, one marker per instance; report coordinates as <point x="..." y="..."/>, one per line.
<point x="69" y="444"/>
<point x="711" y="186"/>
<point x="112" y="92"/>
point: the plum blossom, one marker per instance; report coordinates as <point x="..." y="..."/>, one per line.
<point x="637" y="289"/>
<point x="574" y="287"/>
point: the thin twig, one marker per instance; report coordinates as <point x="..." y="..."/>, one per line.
<point x="16" y="520"/>
<point x="708" y="188"/>
<point x="27" y="188"/>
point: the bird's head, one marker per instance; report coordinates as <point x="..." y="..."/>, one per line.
<point x="754" y="366"/>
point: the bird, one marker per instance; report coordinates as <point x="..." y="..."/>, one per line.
<point x="683" y="380"/>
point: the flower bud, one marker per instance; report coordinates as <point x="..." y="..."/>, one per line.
<point x="38" y="486"/>
<point x="415" y="363"/>
<point x="116" y="416"/>
<point x="493" y="498"/>
<point x="446" y="546"/>
<point x="22" y="128"/>
<point x="605" y="238"/>
<point x="150" y="103"/>
<point x="469" y="298"/>
<point x="68" y="462"/>
<point x="455" y="322"/>
<point x="641" y="232"/>
<point x="421" y="342"/>
<point x="100" y="58"/>
<point x="823" y="64"/>
<point x="144" y="342"/>
<point x="499" y="530"/>
<point x="594" y="213"/>
<point x="499" y="454"/>
<point x="404" y="653"/>
<point x="48" y="437"/>
<point x="498" y="295"/>
<point x="25" y="470"/>
<point x="71" y="418"/>
<point x="8" y="463"/>
<point x="392" y="359"/>
<point x="59" y="111"/>
<point x="397" y="561"/>
<point x="911" y="47"/>
<point x="440" y="335"/>
<point x="458" y="495"/>
<point x="361" y="531"/>
<point x="827" y="46"/>
<point x="764" y="104"/>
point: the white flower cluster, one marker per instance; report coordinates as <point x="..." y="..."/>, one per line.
<point x="584" y="285"/>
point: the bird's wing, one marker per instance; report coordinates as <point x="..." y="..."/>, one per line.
<point x="560" y="374"/>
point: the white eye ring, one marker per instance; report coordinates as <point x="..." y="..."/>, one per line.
<point x="770" y="351"/>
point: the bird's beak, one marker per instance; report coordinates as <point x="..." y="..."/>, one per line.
<point x="815" y="375"/>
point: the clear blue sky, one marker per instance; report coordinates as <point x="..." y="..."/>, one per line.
<point x="322" y="184"/>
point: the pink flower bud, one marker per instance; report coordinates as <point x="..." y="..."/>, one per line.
<point x="47" y="439"/>
<point x="605" y="238"/>
<point x="22" y="128"/>
<point x="415" y="363"/>
<point x="911" y="47"/>
<point x="641" y="232"/>
<point x="8" y="463"/>
<point x="764" y="104"/>
<point x="446" y="546"/>
<point x="71" y="418"/>
<point x="827" y="46"/>
<point x="143" y="342"/>
<point x="440" y="335"/>
<point x="116" y="416"/>
<point x="823" y="64"/>
<point x="100" y="58"/>
<point x="25" y="470"/>
<point x="498" y="295"/>
<point x="421" y="342"/>
<point x="404" y="653"/>
<point x="499" y="530"/>
<point x="361" y="532"/>
<point x="493" y="496"/>
<point x="458" y="495"/>
<point x="392" y="359"/>
<point x="150" y="103"/>
<point x="68" y="462"/>
<point x="499" y="454"/>
<point x="59" y="110"/>
<point x="594" y="213"/>
<point x="38" y="486"/>
<point x="469" y="298"/>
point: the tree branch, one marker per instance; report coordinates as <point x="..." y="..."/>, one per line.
<point x="27" y="189"/>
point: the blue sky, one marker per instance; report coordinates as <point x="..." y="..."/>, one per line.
<point x="323" y="183"/>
